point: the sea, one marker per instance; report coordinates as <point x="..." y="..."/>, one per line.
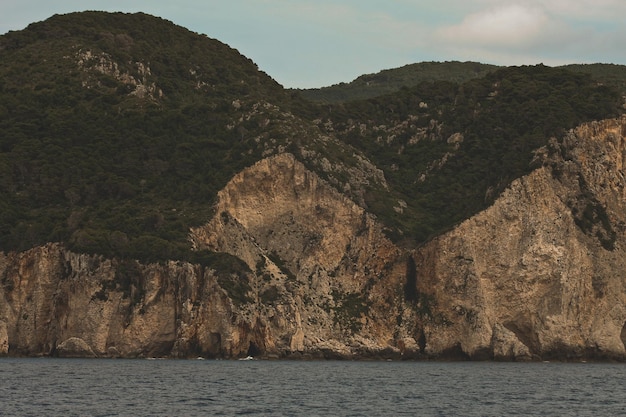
<point x="123" y="387"/>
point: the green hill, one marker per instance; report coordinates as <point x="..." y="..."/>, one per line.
<point x="118" y="130"/>
<point x="391" y="80"/>
<point x="609" y="74"/>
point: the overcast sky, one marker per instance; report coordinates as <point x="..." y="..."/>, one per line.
<point x="314" y="43"/>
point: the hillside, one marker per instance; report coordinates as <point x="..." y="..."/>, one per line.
<point x="163" y="197"/>
<point x="392" y="80"/>
<point x="118" y="131"/>
<point x="609" y="74"/>
<point x="409" y="76"/>
<point x="448" y="150"/>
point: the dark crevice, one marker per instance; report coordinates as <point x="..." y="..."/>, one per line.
<point x="410" y="286"/>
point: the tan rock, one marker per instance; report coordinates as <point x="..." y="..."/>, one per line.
<point x="75" y="347"/>
<point x="297" y="341"/>
<point x="506" y="345"/>
<point x="4" y="339"/>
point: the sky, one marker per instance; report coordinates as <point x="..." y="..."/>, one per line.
<point x="315" y="43"/>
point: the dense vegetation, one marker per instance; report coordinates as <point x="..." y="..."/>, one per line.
<point x="86" y="160"/>
<point x="608" y="74"/>
<point x="117" y="131"/>
<point x="389" y="81"/>
<point x="448" y="150"/>
<point x="392" y="80"/>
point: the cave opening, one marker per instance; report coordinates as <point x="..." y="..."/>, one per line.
<point x="253" y="349"/>
<point x="623" y="335"/>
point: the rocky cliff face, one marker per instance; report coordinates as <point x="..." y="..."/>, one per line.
<point x="539" y="274"/>
<point x="326" y="278"/>
<point x="323" y="282"/>
<point x="58" y="302"/>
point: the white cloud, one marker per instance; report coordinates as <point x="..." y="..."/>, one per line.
<point x="554" y="32"/>
<point x="511" y="25"/>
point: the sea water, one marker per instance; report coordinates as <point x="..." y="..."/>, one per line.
<point x="118" y="387"/>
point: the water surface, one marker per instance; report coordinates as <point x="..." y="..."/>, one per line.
<point x="106" y="387"/>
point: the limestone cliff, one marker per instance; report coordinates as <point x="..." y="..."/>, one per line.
<point x="59" y="302"/>
<point x="539" y="274"/>
<point x="324" y="282"/>
<point x="327" y="279"/>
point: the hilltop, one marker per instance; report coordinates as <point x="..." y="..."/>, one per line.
<point x="393" y="80"/>
<point x="119" y="129"/>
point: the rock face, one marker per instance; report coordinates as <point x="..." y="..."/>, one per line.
<point x="75" y="347"/>
<point x="540" y="274"/>
<point x="115" y="308"/>
<point x="324" y="282"/>
<point x="326" y="278"/>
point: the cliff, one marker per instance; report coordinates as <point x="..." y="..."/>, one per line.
<point x="323" y="280"/>
<point x="539" y="274"/>
<point x="115" y="308"/>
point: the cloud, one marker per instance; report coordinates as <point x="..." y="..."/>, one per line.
<point x="585" y="10"/>
<point x="517" y="32"/>
<point x="511" y="25"/>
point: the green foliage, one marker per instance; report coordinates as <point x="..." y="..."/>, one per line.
<point x="237" y="287"/>
<point x="223" y="263"/>
<point x="594" y="218"/>
<point x="270" y="295"/>
<point x="233" y="274"/>
<point x="609" y="74"/>
<point x="130" y="280"/>
<point x="349" y="309"/>
<point x="501" y="119"/>
<point x="393" y="80"/>
<point x="591" y="216"/>
<point x="280" y="263"/>
<point x="86" y="161"/>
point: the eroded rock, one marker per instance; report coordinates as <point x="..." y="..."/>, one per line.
<point x="75" y="347"/>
